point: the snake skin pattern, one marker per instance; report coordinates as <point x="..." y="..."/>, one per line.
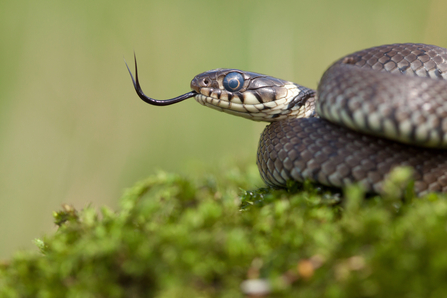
<point x="315" y="149"/>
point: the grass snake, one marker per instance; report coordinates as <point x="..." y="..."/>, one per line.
<point x="373" y="110"/>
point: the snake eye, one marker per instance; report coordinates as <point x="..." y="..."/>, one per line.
<point x="233" y="81"/>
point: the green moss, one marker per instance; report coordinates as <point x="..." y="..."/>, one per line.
<point x="178" y="237"/>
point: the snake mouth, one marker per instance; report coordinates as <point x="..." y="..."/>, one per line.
<point x="153" y="101"/>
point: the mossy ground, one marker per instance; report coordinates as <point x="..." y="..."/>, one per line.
<point x="179" y="237"/>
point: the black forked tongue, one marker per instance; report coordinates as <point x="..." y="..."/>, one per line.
<point x="152" y="101"/>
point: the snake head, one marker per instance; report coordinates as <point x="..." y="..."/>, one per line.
<point x="250" y="95"/>
<point x="247" y="94"/>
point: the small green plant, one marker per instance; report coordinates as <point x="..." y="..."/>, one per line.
<point x="178" y="237"/>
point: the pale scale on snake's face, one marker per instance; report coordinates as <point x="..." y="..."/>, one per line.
<point x="373" y="110"/>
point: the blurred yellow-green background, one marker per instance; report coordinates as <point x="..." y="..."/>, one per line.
<point x="72" y="129"/>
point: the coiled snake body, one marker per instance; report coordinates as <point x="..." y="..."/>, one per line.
<point x="373" y="110"/>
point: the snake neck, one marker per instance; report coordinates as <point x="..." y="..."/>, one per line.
<point x="302" y="105"/>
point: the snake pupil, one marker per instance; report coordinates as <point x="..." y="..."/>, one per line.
<point x="233" y="81"/>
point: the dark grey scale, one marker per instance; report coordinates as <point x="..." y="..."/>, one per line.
<point x="384" y="59"/>
<point x="410" y="57"/>
<point x="397" y="58"/>
<point x="416" y="64"/>
<point x="429" y="65"/>
<point x="390" y="66"/>
<point x="422" y="56"/>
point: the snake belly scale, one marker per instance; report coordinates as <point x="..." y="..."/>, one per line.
<point x="373" y="110"/>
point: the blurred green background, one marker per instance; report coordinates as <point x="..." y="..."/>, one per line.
<point x="72" y="129"/>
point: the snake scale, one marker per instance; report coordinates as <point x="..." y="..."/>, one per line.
<point x="373" y="110"/>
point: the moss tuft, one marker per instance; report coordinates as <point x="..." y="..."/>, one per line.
<point x="178" y="237"/>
